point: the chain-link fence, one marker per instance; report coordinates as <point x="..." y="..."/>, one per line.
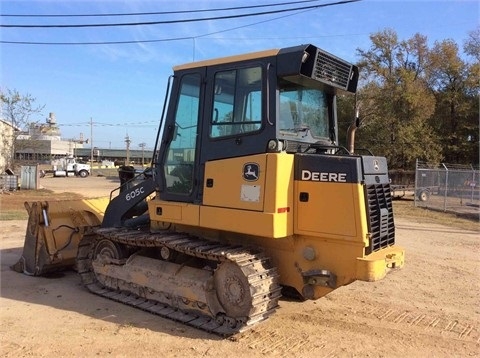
<point x="447" y="187"/>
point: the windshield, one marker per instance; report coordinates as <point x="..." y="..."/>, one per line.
<point x="302" y="110"/>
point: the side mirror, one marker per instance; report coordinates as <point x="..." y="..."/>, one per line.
<point x="175" y="132"/>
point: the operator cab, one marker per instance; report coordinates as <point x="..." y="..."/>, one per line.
<point x="270" y="101"/>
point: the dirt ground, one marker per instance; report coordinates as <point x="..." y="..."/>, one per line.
<point x="429" y="308"/>
<point x="94" y="186"/>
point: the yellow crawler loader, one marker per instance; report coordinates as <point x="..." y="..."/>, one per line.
<point x="249" y="195"/>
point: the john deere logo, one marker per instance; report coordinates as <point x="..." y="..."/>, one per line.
<point x="251" y="171"/>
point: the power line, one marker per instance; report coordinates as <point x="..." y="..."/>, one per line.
<point x="167" y="39"/>
<point x="159" y="12"/>
<point x="156" y="40"/>
<point x="253" y="24"/>
<point x="225" y="17"/>
<point x="151" y="123"/>
<point x="96" y="43"/>
<point x="151" y="41"/>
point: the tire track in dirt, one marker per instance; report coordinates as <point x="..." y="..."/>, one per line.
<point x="407" y="327"/>
<point x="431" y="323"/>
<point x="274" y="341"/>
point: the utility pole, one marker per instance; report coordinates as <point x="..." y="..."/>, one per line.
<point x="91" y="145"/>
<point x="142" y="145"/>
<point x="75" y="141"/>
<point x="127" y="142"/>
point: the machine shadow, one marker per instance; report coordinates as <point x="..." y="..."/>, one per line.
<point x="64" y="291"/>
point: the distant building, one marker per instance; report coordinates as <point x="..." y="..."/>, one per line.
<point x="7" y="132"/>
<point x="116" y="156"/>
<point x="43" y="142"/>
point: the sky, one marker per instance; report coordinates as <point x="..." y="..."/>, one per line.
<point x="105" y="92"/>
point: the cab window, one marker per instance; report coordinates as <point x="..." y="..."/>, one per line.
<point x="237" y="102"/>
<point x="179" y="166"/>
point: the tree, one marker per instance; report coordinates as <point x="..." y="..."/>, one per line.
<point x="456" y="112"/>
<point x="472" y="48"/>
<point x="395" y="100"/>
<point x="472" y="44"/>
<point x="419" y="102"/>
<point x="17" y="110"/>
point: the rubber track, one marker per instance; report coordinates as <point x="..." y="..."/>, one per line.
<point x="267" y="290"/>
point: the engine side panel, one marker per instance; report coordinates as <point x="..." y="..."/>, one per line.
<point x="237" y="183"/>
<point x="251" y="195"/>
<point x="333" y="210"/>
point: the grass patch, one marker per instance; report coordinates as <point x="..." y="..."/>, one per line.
<point x="14" y="215"/>
<point x="406" y="209"/>
<point x="12" y="203"/>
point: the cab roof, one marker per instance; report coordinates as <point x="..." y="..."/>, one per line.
<point x="228" y="59"/>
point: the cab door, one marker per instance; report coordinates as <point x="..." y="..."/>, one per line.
<point x="182" y="137"/>
<point x="239" y="109"/>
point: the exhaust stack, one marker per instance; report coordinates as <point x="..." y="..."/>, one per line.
<point x="351" y="132"/>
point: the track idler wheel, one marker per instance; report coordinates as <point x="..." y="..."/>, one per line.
<point x="233" y="290"/>
<point x="108" y="251"/>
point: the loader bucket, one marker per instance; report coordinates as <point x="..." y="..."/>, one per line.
<point x="54" y="231"/>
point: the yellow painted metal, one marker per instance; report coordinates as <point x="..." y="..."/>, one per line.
<point x="375" y="266"/>
<point x="174" y="212"/>
<point x="54" y="230"/>
<point x="228" y="59"/>
<point x="267" y="225"/>
<point x="334" y="210"/>
<point x="230" y="189"/>
<point x="229" y="207"/>
<point x="279" y="186"/>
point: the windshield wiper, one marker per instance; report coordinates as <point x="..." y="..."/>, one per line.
<point x="296" y="129"/>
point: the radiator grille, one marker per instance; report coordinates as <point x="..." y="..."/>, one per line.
<point x="380" y="212"/>
<point x="332" y="70"/>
